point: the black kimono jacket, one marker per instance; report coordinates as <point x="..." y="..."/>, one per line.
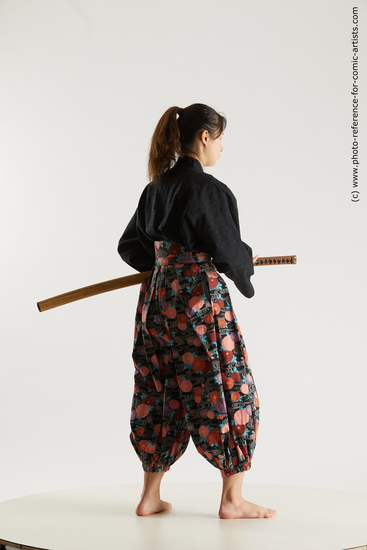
<point x="195" y="210"/>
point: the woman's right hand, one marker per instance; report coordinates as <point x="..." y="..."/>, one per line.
<point x="255" y="259"/>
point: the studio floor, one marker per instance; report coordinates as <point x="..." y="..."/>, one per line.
<point x="103" y="517"/>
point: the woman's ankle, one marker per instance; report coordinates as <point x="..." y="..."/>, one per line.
<point x="232" y="488"/>
<point x="149" y="496"/>
<point x="232" y="496"/>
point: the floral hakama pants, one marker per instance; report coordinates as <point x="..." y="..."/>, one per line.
<point x="192" y="374"/>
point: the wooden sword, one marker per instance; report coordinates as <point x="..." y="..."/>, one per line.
<point x="129" y="280"/>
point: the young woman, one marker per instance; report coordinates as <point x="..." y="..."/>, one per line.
<point x="192" y="374"/>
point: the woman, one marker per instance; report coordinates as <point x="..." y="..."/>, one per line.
<point x="192" y="375"/>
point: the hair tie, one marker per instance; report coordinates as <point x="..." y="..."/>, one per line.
<point x="179" y="112"/>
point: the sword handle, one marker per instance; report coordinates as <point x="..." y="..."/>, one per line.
<point x="276" y="260"/>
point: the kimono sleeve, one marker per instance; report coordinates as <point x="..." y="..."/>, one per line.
<point x="211" y="220"/>
<point x="132" y="250"/>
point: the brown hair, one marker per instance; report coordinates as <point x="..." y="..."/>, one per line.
<point x="174" y="137"/>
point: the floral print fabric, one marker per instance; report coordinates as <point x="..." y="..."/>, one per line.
<point x="192" y="374"/>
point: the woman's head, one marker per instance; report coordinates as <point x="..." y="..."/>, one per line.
<point x="195" y="130"/>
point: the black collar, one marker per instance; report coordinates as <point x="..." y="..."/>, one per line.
<point x="190" y="162"/>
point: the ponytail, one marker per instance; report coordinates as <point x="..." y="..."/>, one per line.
<point x="175" y="135"/>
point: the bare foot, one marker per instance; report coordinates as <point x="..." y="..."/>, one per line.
<point x="148" y="506"/>
<point x="243" y="509"/>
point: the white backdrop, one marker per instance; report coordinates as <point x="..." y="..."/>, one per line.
<point x="84" y="83"/>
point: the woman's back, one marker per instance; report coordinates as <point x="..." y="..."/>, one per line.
<point x="196" y="210"/>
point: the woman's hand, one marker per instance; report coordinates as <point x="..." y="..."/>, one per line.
<point x="255" y="259"/>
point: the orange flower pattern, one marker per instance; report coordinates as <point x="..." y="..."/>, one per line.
<point x="192" y="374"/>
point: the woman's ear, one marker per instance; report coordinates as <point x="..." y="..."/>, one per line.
<point x="204" y="137"/>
